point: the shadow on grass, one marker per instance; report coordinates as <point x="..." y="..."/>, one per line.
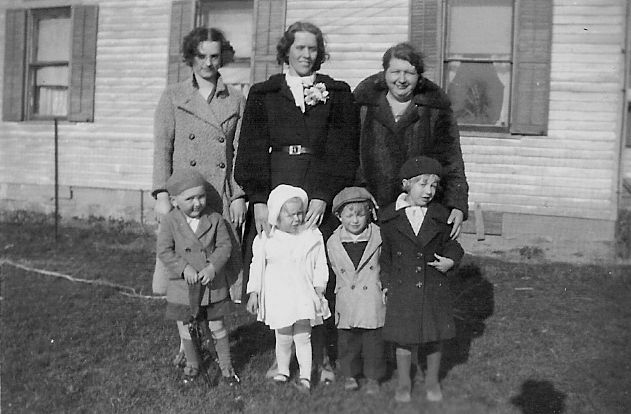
<point x="252" y="339"/>
<point x="473" y="303"/>
<point x="539" y="397"/>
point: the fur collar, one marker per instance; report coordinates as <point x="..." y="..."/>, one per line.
<point x="427" y="93"/>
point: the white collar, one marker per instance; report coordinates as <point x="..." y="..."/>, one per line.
<point x="346" y="237"/>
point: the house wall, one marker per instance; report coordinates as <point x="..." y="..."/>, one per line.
<point x="571" y="172"/>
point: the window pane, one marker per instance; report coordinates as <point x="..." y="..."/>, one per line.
<point x="479" y="92"/>
<point x="234" y="18"/>
<point x="53" y="40"/>
<point x="51" y="91"/>
<point x="480" y="27"/>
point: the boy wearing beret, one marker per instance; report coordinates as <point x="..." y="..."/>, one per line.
<point x="194" y="244"/>
<point x="353" y="251"/>
<point x="416" y="254"/>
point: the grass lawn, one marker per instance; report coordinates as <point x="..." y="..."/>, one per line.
<point x="533" y="338"/>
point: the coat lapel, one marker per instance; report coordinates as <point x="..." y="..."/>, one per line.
<point x="403" y="226"/>
<point x="203" y="227"/>
<point x="430" y="227"/>
<point x="184" y="228"/>
<point x="215" y="113"/>
<point x="373" y="244"/>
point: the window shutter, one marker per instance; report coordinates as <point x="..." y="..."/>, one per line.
<point x="14" y="65"/>
<point x="425" y="35"/>
<point x="182" y="20"/>
<point x="83" y="64"/>
<point x="269" y="26"/>
<point x="531" y="67"/>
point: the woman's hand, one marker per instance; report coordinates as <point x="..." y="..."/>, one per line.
<point x="237" y="212"/>
<point x="253" y="303"/>
<point x="163" y="205"/>
<point x="315" y="213"/>
<point x="207" y="274"/>
<point x="260" y="219"/>
<point x="443" y="264"/>
<point x="456" y="217"/>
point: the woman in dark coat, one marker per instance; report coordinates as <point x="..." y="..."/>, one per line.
<point x="403" y="115"/>
<point x="299" y="128"/>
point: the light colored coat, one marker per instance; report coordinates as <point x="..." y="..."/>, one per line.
<point x="190" y="132"/>
<point x="358" y="302"/>
<point x="178" y="247"/>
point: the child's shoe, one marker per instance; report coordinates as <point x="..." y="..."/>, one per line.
<point x="280" y="379"/>
<point x="303" y="385"/>
<point x="180" y="359"/>
<point x="434" y="393"/>
<point x="191" y="375"/>
<point x="402" y="394"/>
<point x="350" y="384"/>
<point x="327" y="376"/>
<point x="231" y="380"/>
<point x="371" y="387"/>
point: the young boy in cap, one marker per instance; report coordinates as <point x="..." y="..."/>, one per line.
<point x="195" y="245"/>
<point x="354" y="249"/>
<point x="416" y="254"/>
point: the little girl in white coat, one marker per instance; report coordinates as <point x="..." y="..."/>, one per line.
<point x="288" y="276"/>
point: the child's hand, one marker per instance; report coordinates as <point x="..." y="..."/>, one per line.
<point x="190" y="275"/>
<point x="384" y="295"/>
<point x="443" y="264"/>
<point x="320" y="292"/>
<point x="207" y="274"/>
<point x="253" y="303"/>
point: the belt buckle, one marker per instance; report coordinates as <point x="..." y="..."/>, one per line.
<point x="295" y="149"/>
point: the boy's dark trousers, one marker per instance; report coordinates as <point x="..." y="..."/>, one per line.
<point x="356" y="345"/>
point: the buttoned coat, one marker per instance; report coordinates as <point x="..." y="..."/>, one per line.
<point x="358" y="294"/>
<point x="428" y="127"/>
<point x="190" y="132"/>
<point x="272" y="120"/>
<point x="178" y="246"/>
<point x="419" y="307"/>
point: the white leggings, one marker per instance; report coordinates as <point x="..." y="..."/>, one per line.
<point x="300" y="334"/>
<point x="216" y="329"/>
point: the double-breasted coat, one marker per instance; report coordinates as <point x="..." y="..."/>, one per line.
<point x="428" y="128"/>
<point x="178" y="246"/>
<point x="190" y="132"/>
<point x="419" y="308"/>
<point x="272" y="120"/>
<point x="358" y="291"/>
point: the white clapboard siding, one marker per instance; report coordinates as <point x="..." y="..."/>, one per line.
<point x="116" y="150"/>
<point x="357" y="32"/>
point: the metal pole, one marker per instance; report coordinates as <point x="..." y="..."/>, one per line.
<point x="56" y="181"/>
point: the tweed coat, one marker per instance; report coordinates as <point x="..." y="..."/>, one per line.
<point x="178" y="246"/>
<point x="428" y="128"/>
<point x="190" y="132"/>
<point x="272" y="119"/>
<point x="419" y="306"/>
<point x="358" y="295"/>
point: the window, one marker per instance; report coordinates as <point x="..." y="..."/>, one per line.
<point x="492" y="57"/>
<point x="252" y="27"/>
<point x="50" y="59"/>
<point x="234" y="18"/>
<point x="478" y="61"/>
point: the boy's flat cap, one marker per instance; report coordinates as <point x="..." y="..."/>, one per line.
<point x="350" y="195"/>
<point x="418" y="166"/>
<point x="184" y="179"/>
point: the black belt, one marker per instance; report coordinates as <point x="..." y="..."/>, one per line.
<point x="293" y="150"/>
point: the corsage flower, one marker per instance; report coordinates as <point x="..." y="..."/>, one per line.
<point x="316" y="93"/>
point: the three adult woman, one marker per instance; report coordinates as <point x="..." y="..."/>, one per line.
<point x="403" y="115"/>
<point x="196" y="124"/>
<point x="299" y="128"/>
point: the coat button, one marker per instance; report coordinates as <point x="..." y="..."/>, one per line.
<point x="419" y="269"/>
<point x="398" y="253"/>
<point x="342" y="271"/>
<point x="187" y="250"/>
<point x="221" y="139"/>
<point x="222" y="165"/>
<point x="353" y="287"/>
<point x="191" y="137"/>
<point x="365" y="287"/>
<point x="193" y="163"/>
<point x="371" y="267"/>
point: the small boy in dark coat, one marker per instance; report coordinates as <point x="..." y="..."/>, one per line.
<point x="416" y="254"/>
<point x="194" y="243"/>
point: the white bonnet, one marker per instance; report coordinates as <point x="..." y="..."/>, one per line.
<point x="278" y="196"/>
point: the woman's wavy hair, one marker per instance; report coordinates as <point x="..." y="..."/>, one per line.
<point x="407" y="52"/>
<point x="285" y="42"/>
<point x="198" y="35"/>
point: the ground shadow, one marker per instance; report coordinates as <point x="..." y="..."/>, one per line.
<point x="251" y="339"/>
<point x="539" y="397"/>
<point x="473" y="303"/>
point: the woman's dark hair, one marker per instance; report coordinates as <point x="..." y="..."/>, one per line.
<point x="404" y="51"/>
<point x="285" y="42"/>
<point x="201" y="34"/>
